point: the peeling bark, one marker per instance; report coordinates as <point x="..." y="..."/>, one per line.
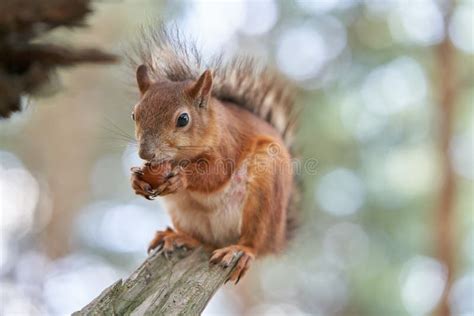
<point x="180" y="284"/>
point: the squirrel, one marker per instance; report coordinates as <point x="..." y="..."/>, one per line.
<point x="217" y="139"/>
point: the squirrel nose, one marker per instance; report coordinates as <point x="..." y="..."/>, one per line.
<point x="145" y="153"/>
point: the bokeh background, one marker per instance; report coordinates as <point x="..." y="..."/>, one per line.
<point x="384" y="229"/>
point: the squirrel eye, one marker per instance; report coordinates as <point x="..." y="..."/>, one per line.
<point x="183" y="120"/>
<point x="133" y="116"/>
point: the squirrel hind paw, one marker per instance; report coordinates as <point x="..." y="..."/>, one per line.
<point x="225" y="256"/>
<point x="169" y="240"/>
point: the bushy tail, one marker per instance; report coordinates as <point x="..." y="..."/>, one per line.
<point x="242" y="80"/>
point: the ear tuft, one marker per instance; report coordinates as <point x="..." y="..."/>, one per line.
<point x="143" y="79"/>
<point x="201" y="89"/>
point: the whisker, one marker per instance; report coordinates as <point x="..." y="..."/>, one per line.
<point x="114" y="128"/>
<point x="119" y="134"/>
<point x="115" y="146"/>
<point x="113" y="132"/>
<point x="118" y="138"/>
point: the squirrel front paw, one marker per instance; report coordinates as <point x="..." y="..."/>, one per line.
<point x="224" y="257"/>
<point x="140" y="186"/>
<point x="175" y="182"/>
<point x="147" y="180"/>
<point x="169" y="240"/>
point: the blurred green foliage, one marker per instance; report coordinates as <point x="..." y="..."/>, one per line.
<point x="368" y="77"/>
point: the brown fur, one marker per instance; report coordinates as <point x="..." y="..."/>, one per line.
<point x="239" y="79"/>
<point x="232" y="179"/>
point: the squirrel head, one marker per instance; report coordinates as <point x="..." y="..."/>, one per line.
<point x="173" y="120"/>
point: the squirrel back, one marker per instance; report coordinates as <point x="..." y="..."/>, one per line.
<point x="241" y="80"/>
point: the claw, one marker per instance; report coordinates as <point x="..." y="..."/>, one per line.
<point x="225" y="256"/>
<point x="238" y="278"/>
<point x="169" y="240"/>
<point x="167" y="254"/>
<point x="158" y="247"/>
<point x="137" y="171"/>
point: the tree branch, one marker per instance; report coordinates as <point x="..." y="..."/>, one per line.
<point x="25" y="64"/>
<point x="180" y="284"/>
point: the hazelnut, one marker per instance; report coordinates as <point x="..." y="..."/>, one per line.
<point x="156" y="174"/>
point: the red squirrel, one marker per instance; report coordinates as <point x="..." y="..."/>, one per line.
<point x="217" y="145"/>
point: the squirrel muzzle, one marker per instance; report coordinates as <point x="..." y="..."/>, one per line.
<point x="146" y="152"/>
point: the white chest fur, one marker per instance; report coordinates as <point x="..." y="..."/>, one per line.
<point x="215" y="218"/>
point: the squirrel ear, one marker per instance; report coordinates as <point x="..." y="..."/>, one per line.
<point x="143" y="79"/>
<point x="201" y="89"/>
